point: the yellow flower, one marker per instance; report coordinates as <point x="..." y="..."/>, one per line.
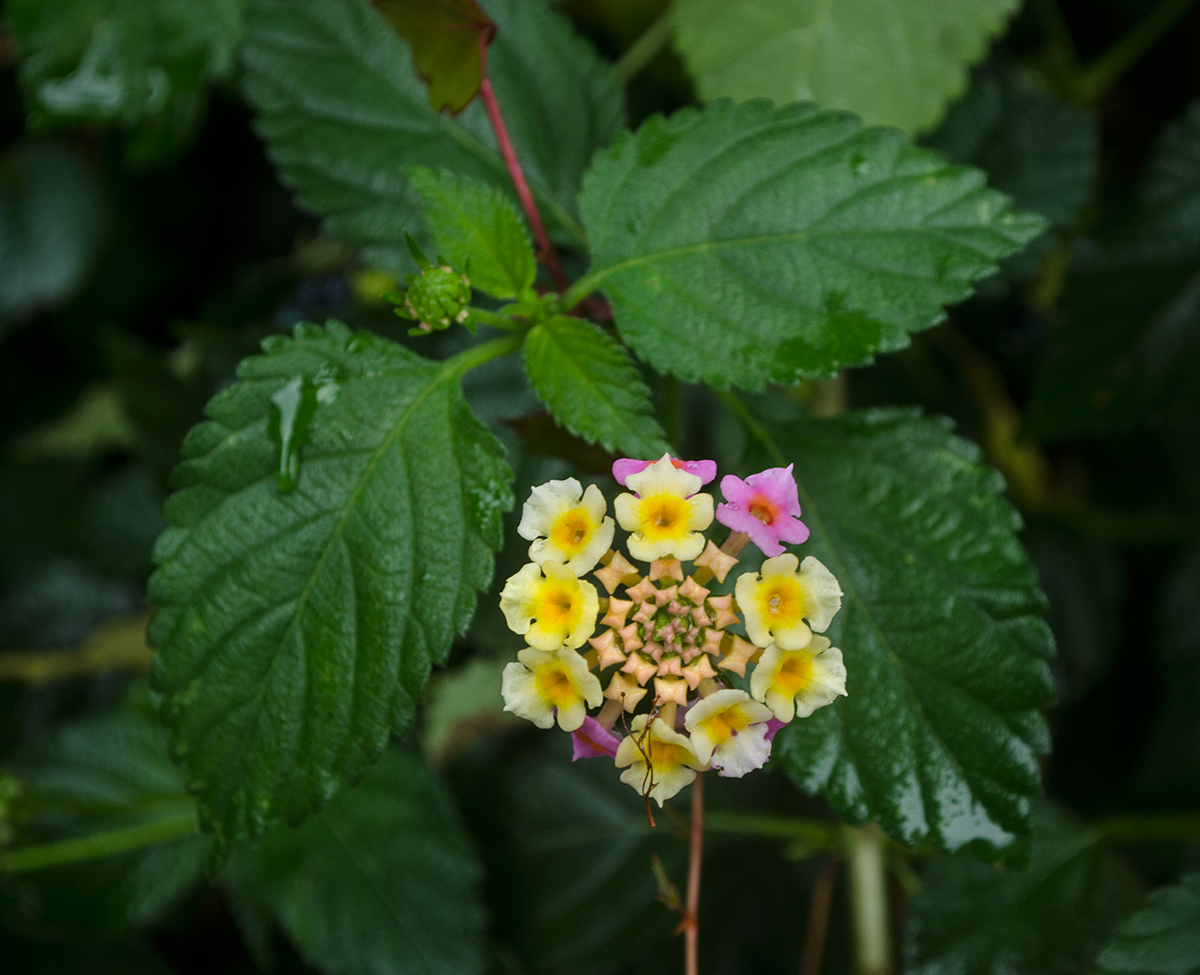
<point x="797" y="682"/>
<point x="550" y="606"/>
<point x="661" y="761"/>
<point x="776" y="602"/>
<point x="728" y="730"/>
<point x="666" y="517"/>
<point x="567" y="524"/>
<point x="544" y="683"/>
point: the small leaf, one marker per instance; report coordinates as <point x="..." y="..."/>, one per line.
<point x="941" y="632"/>
<point x="1163" y="938"/>
<point x="894" y="62"/>
<point x="589" y="384"/>
<point x="296" y="631"/>
<point x="973" y="918"/>
<point x="1124" y="353"/>
<point x="476" y="226"/>
<point x="445" y="36"/>
<point x="744" y="243"/>
<point x="383" y="882"/>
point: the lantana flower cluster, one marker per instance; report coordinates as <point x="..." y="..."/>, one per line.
<point x="656" y="654"/>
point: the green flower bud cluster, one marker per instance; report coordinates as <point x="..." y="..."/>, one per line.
<point x="438" y="295"/>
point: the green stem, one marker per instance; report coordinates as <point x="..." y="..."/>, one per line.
<point x="477" y="355"/>
<point x="756" y="429"/>
<point x="100" y="844"/>
<point x="1182" y="827"/>
<point x="868" y="898"/>
<point x="644" y="50"/>
<point x="819" y="834"/>
<point x="1059" y="36"/>
<point x="1100" y="75"/>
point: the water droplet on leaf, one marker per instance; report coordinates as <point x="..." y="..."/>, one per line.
<point x="292" y="409"/>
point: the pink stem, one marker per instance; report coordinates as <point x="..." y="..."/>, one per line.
<point x="692" y="918"/>
<point x="546" y="252"/>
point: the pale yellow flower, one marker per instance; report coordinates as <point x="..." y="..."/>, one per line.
<point x="542" y="684"/>
<point x="666" y="518"/>
<point x="567" y="524"/>
<point x="728" y="730"/>
<point x="661" y="761"/>
<point x="550" y="606"/>
<point x="794" y="683"/>
<point x="776" y="602"/>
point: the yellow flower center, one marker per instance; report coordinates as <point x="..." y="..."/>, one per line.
<point x="664" y="755"/>
<point x="554" y="684"/>
<point x="721" y="726"/>
<point x="781" y="602"/>
<point x="795" y="674"/>
<point x="557" y="604"/>
<point x="664" y="516"/>
<point x="572" y="530"/>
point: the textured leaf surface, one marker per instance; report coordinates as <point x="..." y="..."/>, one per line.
<point x="940" y="627"/>
<point x="589" y="384"/>
<point x="444" y="36"/>
<point x="1042" y="151"/>
<point x="1161" y="939"/>
<point x="972" y="918"/>
<point x="344" y="114"/>
<point x="383" y="882"/>
<point x="896" y="62"/>
<point x="475" y="223"/>
<point x="51" y="218"/>
<point x="1125" y="353"/>
<point x="296" y="631"/>
<point x="744" y="243"/>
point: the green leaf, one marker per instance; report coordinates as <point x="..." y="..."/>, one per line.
<point x="1042" y="151"/>
<point x="102" y="773"/>
<point x="940" y="628"/>
<point x="143" y="65"/>
<point x="296" y="631"/>
<point x="344" y="114"/>
<point x="1161" y="939"/>
<point x="744" y="243"/>
<point x="477" y="227"/>
<point x="51" y="221"/>
<point x="972" y="918"/>
<point x="445" y="38"/>
<point x="589" y="384"/>
<point x="383" y="882"/>
<point x="895" y="62"/>
<point x="1123" y="355"/>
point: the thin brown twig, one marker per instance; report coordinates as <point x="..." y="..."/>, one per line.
<point x="818" y="917"/>
<point x="695" y="853"/>
<point x="546" y="252"/>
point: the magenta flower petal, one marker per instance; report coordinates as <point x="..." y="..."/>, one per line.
<point x="773" y="726"/>
<point x="765" y="506"/>
<point x="706" y="470"/>
<point x="592" y="740"/>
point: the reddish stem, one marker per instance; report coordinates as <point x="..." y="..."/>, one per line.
<point x="818" y="918"/>
<point x="692" y="931"/>
<point x="546" y="253"/>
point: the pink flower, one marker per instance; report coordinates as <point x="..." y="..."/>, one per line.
<point x="592" y="740"/>
<point x="706" y="470"/>
<point x="773" y="726"/>
<point x="765" y="506"/>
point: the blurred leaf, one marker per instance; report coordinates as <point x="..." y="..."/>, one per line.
<point x="895" y="62"/>
<point x="743" y="243"/>
<point x="383" y="882"/>
<point x="567" y="849"/>
<point x="445" y="38"/>
<point x="971" y="918"/>
<point x="344" y="114"/>
<point x="115" y="644"/>
<point x="60" y="603"/>
<point x="463" y="705"/>
<point x="1042" y="151"/>
<point x="31" y="956"/>
<point x="592" y="387"/>
<point x="1124" y="354"/>
<point x="940" y="628"/>
<point x="140" y="65"/>
<point x="1170" y="770"/>
<point x="51" y="220"/>
<point x="1163" y="938"/>
<point x="106" y="772"/>
<point x="296" y="631"/>
<point x="477" y="227"/>
<point x="96" y="424"/>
